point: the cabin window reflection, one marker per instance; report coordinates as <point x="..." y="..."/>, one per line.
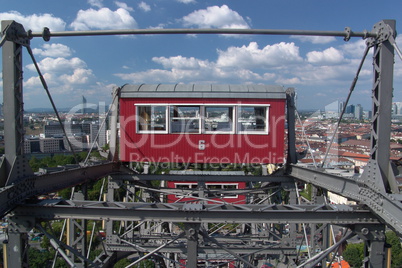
<point x="218" y="118"/>
<point x="185" y="119"/>
<point x="152" y="118"/>
<point x="253" y="119"/>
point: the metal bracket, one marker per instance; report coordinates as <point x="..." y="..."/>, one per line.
<point x="21" y="224"/>
<point x="46" y="34"/>
<point x="348" y="31"/>
<point x="16" y="33"/>
<point x="384" y="33"/>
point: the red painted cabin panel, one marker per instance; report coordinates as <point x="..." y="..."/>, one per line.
<point x="241" y="142"/>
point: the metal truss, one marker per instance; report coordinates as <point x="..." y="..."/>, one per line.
<point x="259" y="228"/>
<point x="32" y="186"/>
<point x="386" y="206"/>
<point x="200" y="213"/>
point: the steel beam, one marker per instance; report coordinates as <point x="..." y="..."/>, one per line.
<point x="180" y="248"/>
<point x="203" y="176"/>
<point x="383" y="68"/>
<point x="14" y="194"/>
<point x="374" y="245"/>
<point x="291" y="113"/>
<point x="178" y="212"/>
<point x="192" y="230"/>
<point x="386" y="206"/>
<point x="15" y="164"/>
<point x="46" y="34"/>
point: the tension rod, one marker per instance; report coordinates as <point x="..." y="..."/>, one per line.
<point x="46" y="34"/>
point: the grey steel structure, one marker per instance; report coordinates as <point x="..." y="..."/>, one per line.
<point x="173" y="232"/>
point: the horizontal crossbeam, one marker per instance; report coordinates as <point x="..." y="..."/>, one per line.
<point x="346" y="34"/>
<point x="181" y="248"/>
<point x="202" y="178"/>
<point x="197" y="213"/>
<point x="14" y="194"/>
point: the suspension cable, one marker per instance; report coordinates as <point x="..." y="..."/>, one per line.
<point x="304" y="136"/>
<point x="44" y="84"/>
<point x="395" y="45"/>
<point x="352" y="87"/>
<point x="99" y="130"/>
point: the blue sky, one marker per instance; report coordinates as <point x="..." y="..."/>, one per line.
<point x="321" y="69"/>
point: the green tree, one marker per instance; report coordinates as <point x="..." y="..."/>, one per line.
<point x="34" y="163"/>
<point x="354" y="254"/>
<point x="122" y="263"/>
<point x="396" y="249"/>
<point x="37" y="258"/>
<point x="143" y="264"/>
<point x="94" y="189"/>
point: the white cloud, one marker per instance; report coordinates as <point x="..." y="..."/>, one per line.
<point x="215" y="17"/>
<point x="315" y="39"/>
<point x="279" y="63"/>
<point x="181" y="68"/>
<point x="251" y="56"/>
<point x="58" y="65"/>
<point x="288" y="81"/>
<point x="144" y="6"/>
<point x="96" y="3"/>
<point x="123" y="6"/>
<point x="103" y="18"/>
<point x="211" y="73"/>
<point x="330" y="75"/>
<point x="34" y="81"/>
<point x="354" y="49"/>
<point x="79" y="76"/>
<point x="53" y="50"/>
<point x="65" y="77"/>
<point x="186" y="1"/>
<point x="180" y="62"/>
<point x="35" y="22"/>
<point x="329" y="56"/>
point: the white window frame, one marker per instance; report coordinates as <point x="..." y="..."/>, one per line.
<point x="186" y="183"/>
<point x="165" y="131"/>
<point x="265" y="131"/>
<point x="199" y="118"/>
<point x="232" y="131"/>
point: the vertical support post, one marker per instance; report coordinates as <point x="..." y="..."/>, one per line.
<point x="113" y="125"/>
<point x="291" y="109"/>
<point x="326" y="234"/>
<point x="292" y="227"/>
<point x="77" y="236"/>
<point x="374" y="246"/>
<point x="383" y="65"/>
<point x="16" y="246"/>
<point x="192" y="230"/>
<point x="112" y="185"/>
<point x="15" y="165"/>
<point x="16" y="250"/>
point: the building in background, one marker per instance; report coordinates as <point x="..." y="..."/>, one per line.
<point x="358" y="112"/>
